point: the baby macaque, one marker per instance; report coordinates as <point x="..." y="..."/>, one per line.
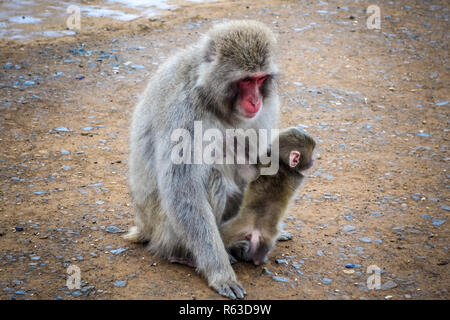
<point x="253" y="232"/>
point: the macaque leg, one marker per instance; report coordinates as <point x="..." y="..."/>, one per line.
<point x="186" y="261"/>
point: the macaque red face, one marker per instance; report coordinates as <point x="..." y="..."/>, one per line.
<point x="250" y="99"/>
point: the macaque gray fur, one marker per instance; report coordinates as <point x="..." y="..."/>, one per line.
<point x="178" y="207"/>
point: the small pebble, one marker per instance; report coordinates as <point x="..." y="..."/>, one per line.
<point x="266" y="271"/>
<point x="120" y="283"/>
<point x="113" y="229"/>
<point x="281" y="261"/>
<point x="77" y="293"/>
<point x="348" y="271"/>
<point x="437" y="222"/>
<point x="281" y="279"/>
<point x="348" y="228"/>
<point x="388" y="285"/>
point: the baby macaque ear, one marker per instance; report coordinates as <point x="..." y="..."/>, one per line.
<point x="294" y="158"/>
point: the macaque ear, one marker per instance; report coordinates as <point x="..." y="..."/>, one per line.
<point x="294" y="158"/>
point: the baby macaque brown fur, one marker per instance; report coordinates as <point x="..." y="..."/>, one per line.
<point x="252" y="234"/>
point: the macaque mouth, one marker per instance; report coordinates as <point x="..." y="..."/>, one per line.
<point x="250" y="95"/>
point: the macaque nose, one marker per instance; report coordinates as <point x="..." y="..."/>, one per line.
<point x="255" y="100"/>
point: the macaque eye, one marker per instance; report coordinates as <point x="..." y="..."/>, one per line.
<point x="261" y="80"/>
<point x="246" y="80"/>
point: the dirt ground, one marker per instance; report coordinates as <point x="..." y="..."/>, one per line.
<point x="375" y="100"/>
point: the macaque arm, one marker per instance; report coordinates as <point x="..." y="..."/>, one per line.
<point x="188" y="211"/>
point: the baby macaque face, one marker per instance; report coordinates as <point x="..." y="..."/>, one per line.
<point x="296" y="148"/>
<point x="252" y="248"/>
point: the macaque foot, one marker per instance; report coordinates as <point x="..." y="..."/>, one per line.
<point x="186" y="261"/>
<point x="232" y="259"/>
<point x="230" y="289"/>
<point x="284" y="236"/>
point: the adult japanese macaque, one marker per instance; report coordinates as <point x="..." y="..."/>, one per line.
<point x="252" y="234"/>
<point x="226" y="81"/>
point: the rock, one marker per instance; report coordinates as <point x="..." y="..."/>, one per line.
<point x="326" y="281"/>
<point x="348" y="228"/>
<point x="18" y="228"/>
<point x="365" y="239"/>
<point x="423" y="134"/>
<point x="117" y="251"/>
<point x="266" y="271"/>
<point x="137" y="66"/>
<point x="120" y="283"/>
<point x="348" y="271"/>
<point x="281" y="261"/>
<point x="388" y="285"/>
<point x="64" y="152"/>
<point x="61" y="129"/>
<point x="443" y="262"/>
<point x="281" y="279"/>
<point x="77" y="293"/>
<point x="285" y="236"/>
<point x="79" y="77"/>
<point x="437" y="222"/>
<point x="87" y="288"/>
<point x="113" y="229"/>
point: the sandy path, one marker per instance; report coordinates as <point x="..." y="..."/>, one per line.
<point x="376" y="100"/>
